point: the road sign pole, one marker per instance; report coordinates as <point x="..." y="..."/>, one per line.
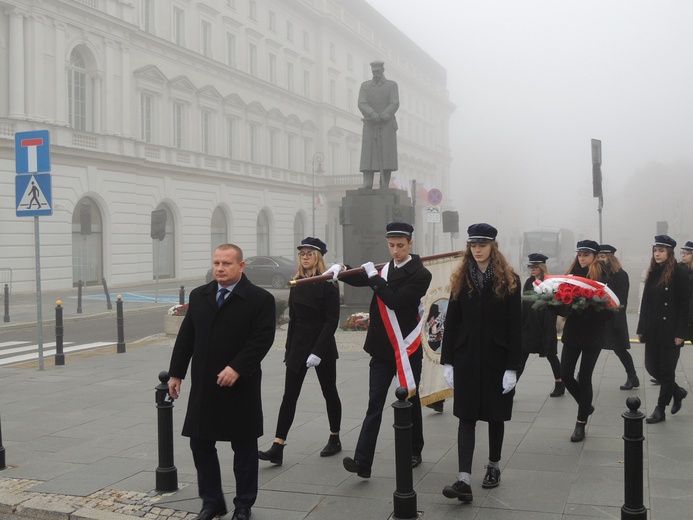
<point x="39" y="316"/>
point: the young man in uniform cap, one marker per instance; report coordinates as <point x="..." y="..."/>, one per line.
<point x="393" y="340"/>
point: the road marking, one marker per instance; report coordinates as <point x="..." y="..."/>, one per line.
<point x="48" y="350"/>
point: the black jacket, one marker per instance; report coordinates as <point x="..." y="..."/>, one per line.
<point x="538" y="326"/>
<point x="586" y="329"/>
<point x="617" y="337"/>
<point x="664" y="310"/>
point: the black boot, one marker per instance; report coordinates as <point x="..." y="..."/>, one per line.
<point x="558" y="389"/>
<point x="657" y="416"/>
<point x="332" y="447"/>
<point x="631" y="382"/>
<point x="579" y="432"/>
<point x="275" y="454"/>
<point x="679" y="395"/>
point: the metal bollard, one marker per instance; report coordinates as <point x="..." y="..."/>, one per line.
<point x="59" y="334"/>
<point x="633" y="439"/>
<point x="108" y="295"/>
<point x="120" y="348"/>
<point x="181" y="295"/>
<point x="166" y="472"/>
<point x="404" y="497"/>
<point x="79" y="297"/>
<point x="7" y="304"/>
<point x="2" y="451"/>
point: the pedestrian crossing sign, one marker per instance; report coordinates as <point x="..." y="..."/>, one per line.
<point x="34" y="195"/>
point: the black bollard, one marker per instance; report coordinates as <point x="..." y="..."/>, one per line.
<point x="404" y="497"/>
<point x="108" y="295"/>
<point x="59" y="334"/>
<point x="166" y="473"/>
<point x="7" y="304"/>
<point x="2" y="451"/>
<point x="79" y="297"/>
<point x="633" y="507"/>
<point x="120" y="348"/>
<point x="181" y="295"/>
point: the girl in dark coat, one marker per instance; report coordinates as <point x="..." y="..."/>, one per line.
<point x="617" y="337"/>
<point x="313" y="319"/>
<point x="584" y="335"/>
<point x="539" y="326"/>
<point x="687" y="264"/>
<point x="481" y="351"/>
<point x="663" y="323"/>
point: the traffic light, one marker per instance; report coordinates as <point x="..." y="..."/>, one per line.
<point x="158" y="224"/>
<point x="451" y="221"/>
<point x="662" y="227"/>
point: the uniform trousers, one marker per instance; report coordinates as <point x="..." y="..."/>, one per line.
<point x="327" y="377"/>
<point x="466" y="439"/>
<point x="660" y="360"/>
<point x="582" y="390"/>
<point x="382" y="371"/>
<point x="245" y="470"/>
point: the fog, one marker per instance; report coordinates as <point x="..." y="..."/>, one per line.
<point x="535" y="81"/>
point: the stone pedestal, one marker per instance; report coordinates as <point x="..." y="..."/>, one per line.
<point x="363" y="216"/>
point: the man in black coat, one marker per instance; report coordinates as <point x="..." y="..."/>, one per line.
<point x="227" y="331"/>
<point x="395" y="326"/>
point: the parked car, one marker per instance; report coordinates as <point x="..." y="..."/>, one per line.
<point x="270" y="270"/>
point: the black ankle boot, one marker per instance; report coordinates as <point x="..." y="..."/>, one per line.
<point x="275" y="454"/>
<point x="579" y="432"/>
<point x="658" y="415"/>
<point x="332" y="447"/>
<point x="558" y="389"/>
<point x="631" y="382"/>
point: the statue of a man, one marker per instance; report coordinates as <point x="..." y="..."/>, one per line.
<point x="378" y="102"/>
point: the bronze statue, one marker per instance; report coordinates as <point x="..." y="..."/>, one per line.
<point x="378" y="102"/>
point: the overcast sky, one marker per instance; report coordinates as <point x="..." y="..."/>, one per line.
<point x="534" y="81"/>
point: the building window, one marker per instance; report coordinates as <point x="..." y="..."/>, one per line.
<point x="179" y="26"/>
<point x="272" y="68"/>
<point x="252" y="59"/>
<point x="350" y="99"/>
<point x="290" y="77"/>
<point x="306" y="83"/>
<point x="231" y="50"/>
<point x="252" y="142"/>
<point x="77" y="92"/>
<point x="290" y="151"/>
<point x="272" y="21"/>
<point x="307" y="154"/>
<point x="146" y="104"/>
<point x="148" y="16"/>
<point x="333" y="52"/>
<point x="350" y="63"/>
<point x="252" y="10"/>
<point x="178" y="124"/>
<point x="206" y="131"/>
<point x="289" y="31"/>
<point x="333" y="92"/>
<point x="231" y="137"/>
<point x="206" y="38"/>
<point x="273" y="146"/>
<point x="306" y="40"/>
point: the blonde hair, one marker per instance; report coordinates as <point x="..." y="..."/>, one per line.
<point x="318" y="269"/>
<point x="594" y="270"/>
<point x="612" y="262"/>
<point x="543" y="268"/>
<point x="504" y="281"/>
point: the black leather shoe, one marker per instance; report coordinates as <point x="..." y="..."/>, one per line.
<point x="579" y="432"/>
<point x="208" y="513"/>
<point x="459" y="490"/>
<point x="333" y="446"/>
<point x="437" y="406"/>
<point x="241" y="513"/>
<point x="654" y="381"/>
<point x="275" y="454"/>
<point x="354" y="466"/>
<point x="657" y="416"/>
<point x="558" y="389"/>
<point x="679" y="395"/>
<point x="492" y="478"/>
<point x="415" y="460"/>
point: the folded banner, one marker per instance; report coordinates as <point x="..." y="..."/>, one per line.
<point x="433" y="387"/>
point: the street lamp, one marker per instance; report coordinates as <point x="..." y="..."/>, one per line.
<point x="318" y="158"/>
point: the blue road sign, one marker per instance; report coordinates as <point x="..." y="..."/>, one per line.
<point x="34" y="195"/>
<point x="32" y="151"/>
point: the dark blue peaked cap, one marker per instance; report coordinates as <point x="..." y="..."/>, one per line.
<point x="664" y="240"/>
<point x="313" y="243"/>
<point x="399" y="229"/>
<point x="481" y="232"/>
<point x="537" y="258"/>
<point x="587" y="246"/>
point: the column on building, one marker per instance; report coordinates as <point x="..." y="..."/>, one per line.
<point x="60" y="75"/>
<point x="16" y="63"/>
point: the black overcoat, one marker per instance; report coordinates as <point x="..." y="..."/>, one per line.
<point x="664" y="310"/>
<point x="617" y="337"/>
<point x="483" y="339"/>
<point x="538" y="326"/>
<point x="239" y="334"/>
<point x="313" y="319"/>
<point x="586" y="328"/>
<point x="401" y="292"/>
<point x="379" y="139"/>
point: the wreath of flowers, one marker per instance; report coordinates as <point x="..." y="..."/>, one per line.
<point x="178" y="310"/>
<point x="357" y="321"/>
<point x="572" y="293"/>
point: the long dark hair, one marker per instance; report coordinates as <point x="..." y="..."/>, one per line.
<point x="612" y="262"/>
<point x="504" y="281"/>
<point x="668" y="267"/>
<point x="594" y="270"/>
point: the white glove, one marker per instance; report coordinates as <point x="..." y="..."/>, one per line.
<point x="448" y="375"/>
<point x="312" y="361"/>
<point x="334" y="271"/>
<point x="509" y="380"/>
<point x="370" y="269"/>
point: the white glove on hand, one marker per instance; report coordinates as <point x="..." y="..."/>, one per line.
<point x="509" y="380"/>
<point x="312" y="361"/>
<point x="370" y="269"/>
<point x="334" y="271"/>
<point x="448" y="375"/>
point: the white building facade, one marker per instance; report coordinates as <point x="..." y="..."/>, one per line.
<point x="238" y="118"/>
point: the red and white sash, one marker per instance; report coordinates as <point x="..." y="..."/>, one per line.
<point x="403" y="347"/>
